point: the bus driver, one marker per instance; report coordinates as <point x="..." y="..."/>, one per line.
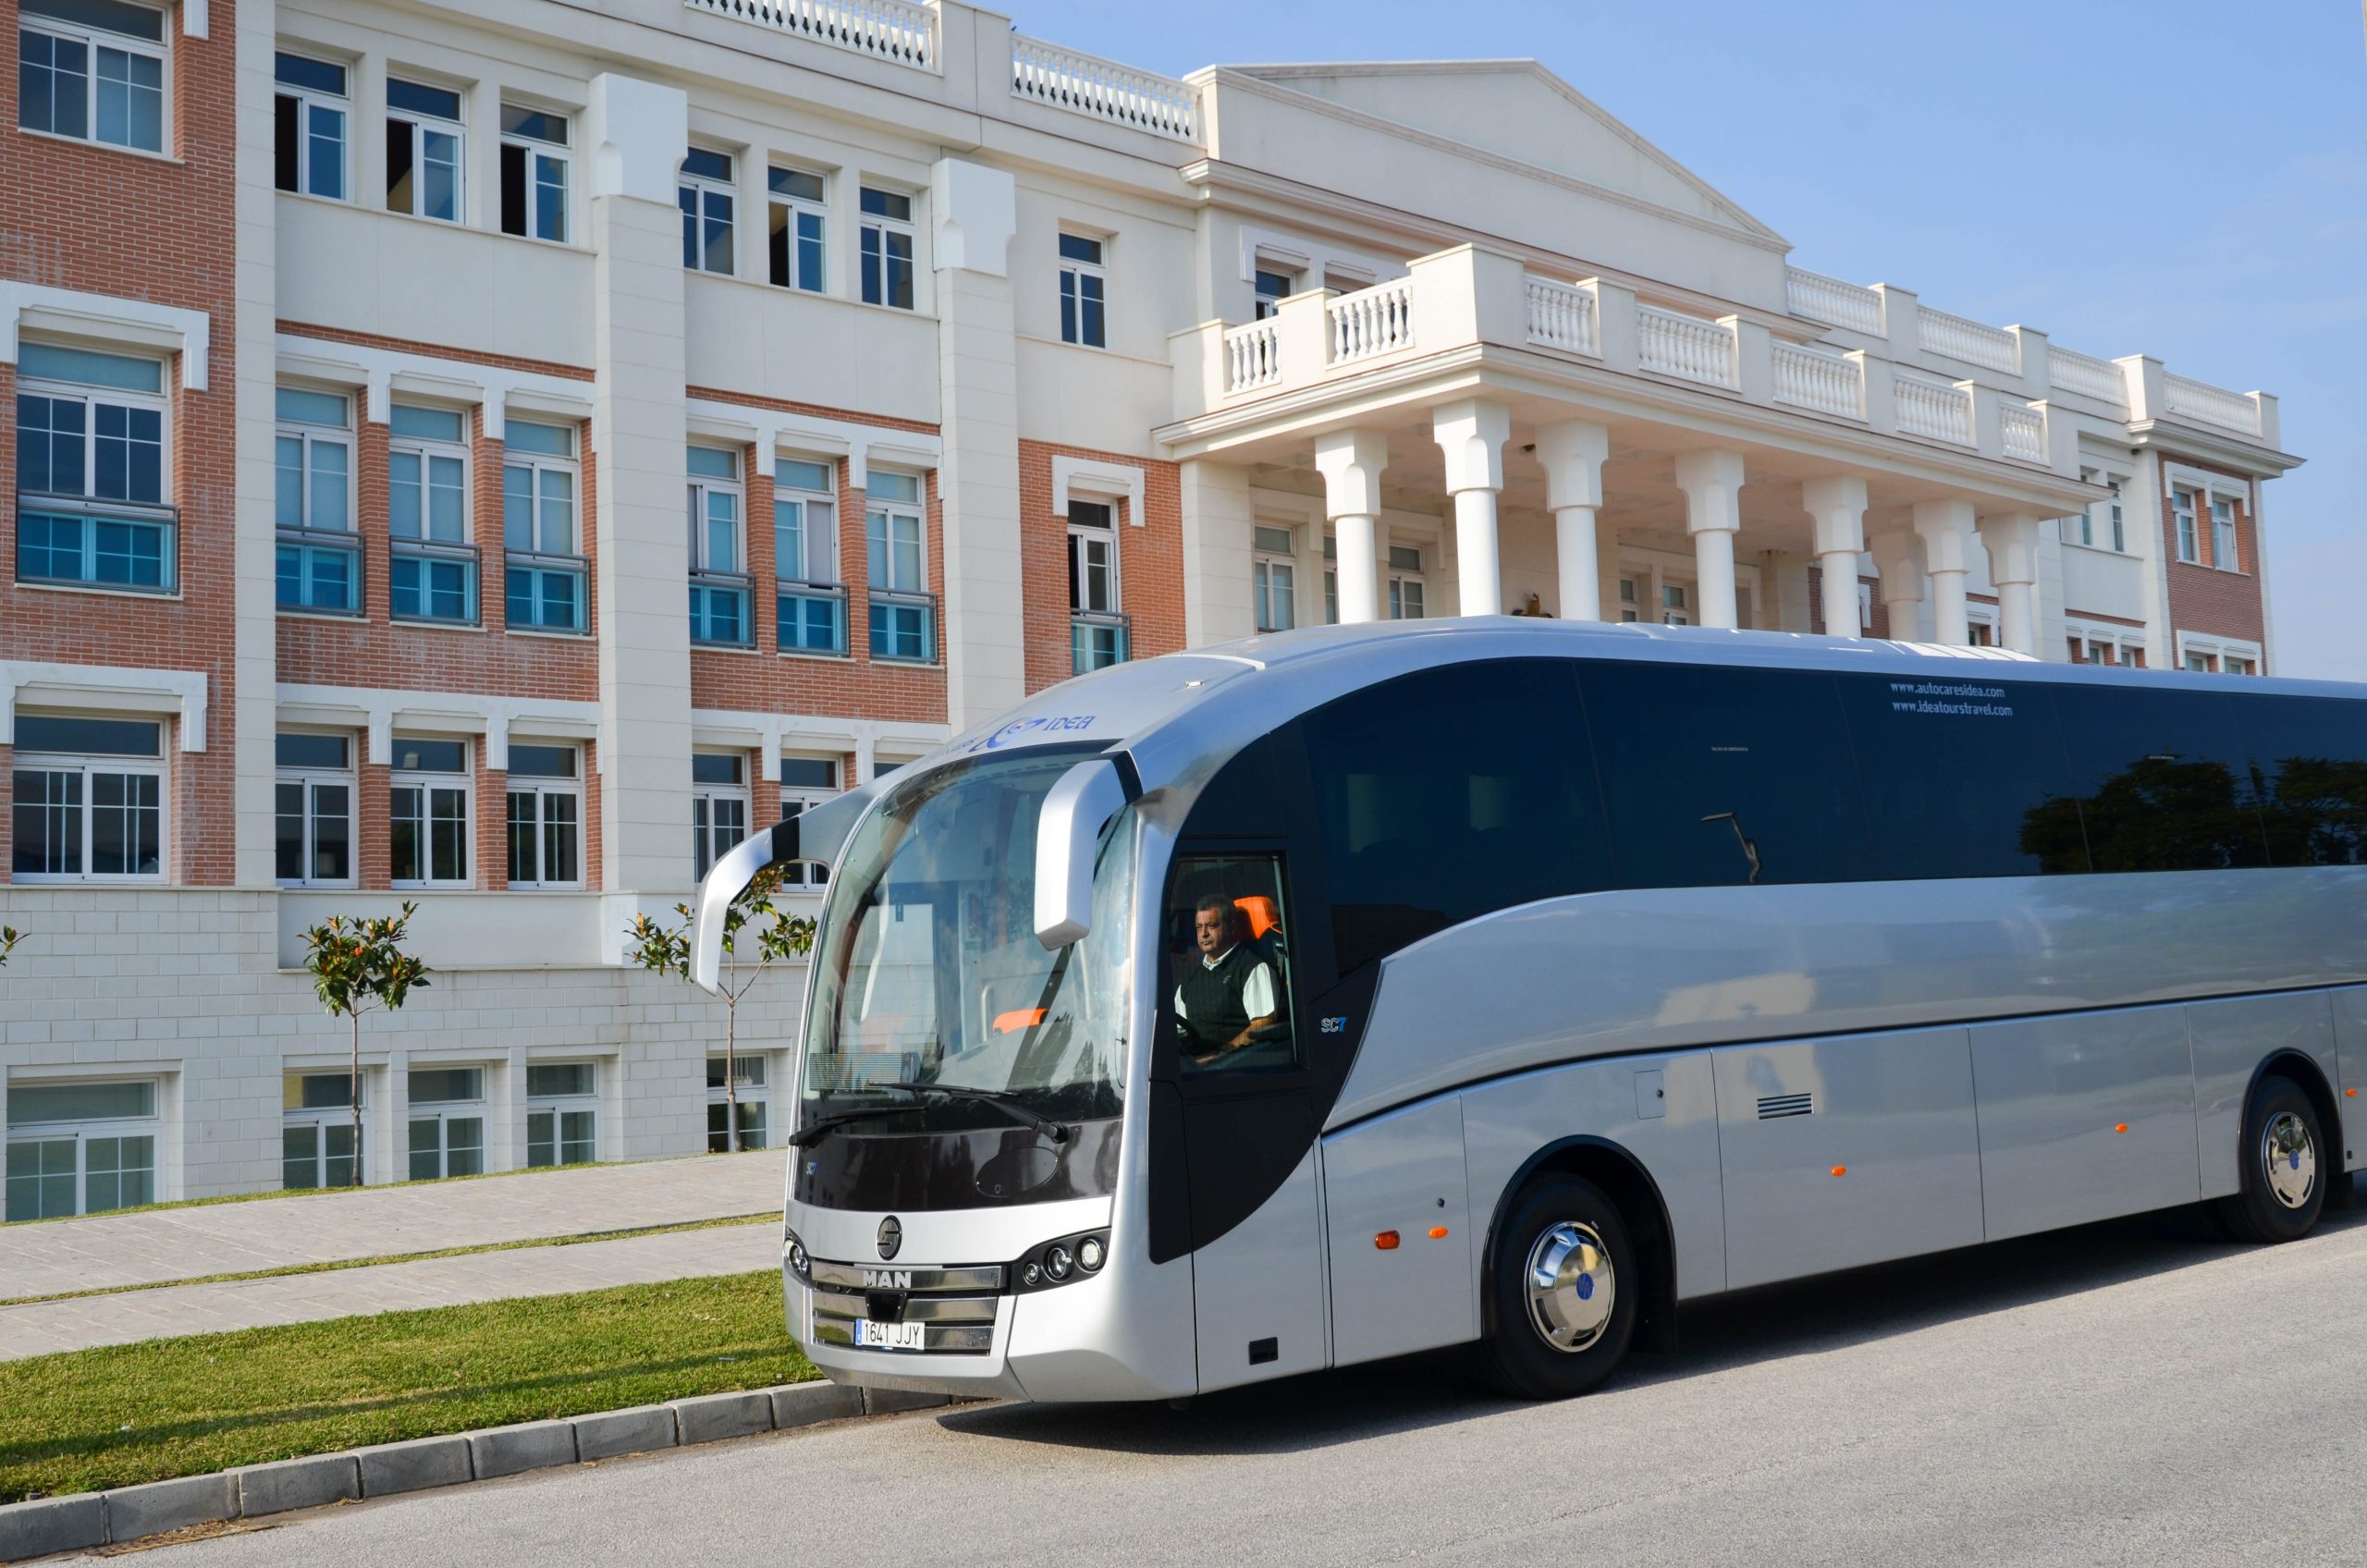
<point x="1223" y="1003"/>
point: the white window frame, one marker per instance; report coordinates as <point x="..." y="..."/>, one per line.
<point x="427" y="546"/>
<point x="536" y="154"/>
<point x="444" y="1113"/>
<point x="2186" y="525"/>
<point x="312" y="434"/>
<point x="1402" y="577"/>
<point x="94" y="39"/>
<point x="1631" y="604"/>
<point x="2217" y="651"/>
<point x="707" y="843"/>
<point x="323" y="1119"/>
<point x="308" y="100"/>
<point x="796" y="207"/>
<point x="558" y="1107"/>
<point x="745" y="1094"/>
<point x="820" y="547"/>
<point x="883" y="520"/>
<point x="884" y="226"/>
<point x="543" y="790"/>
<point x="798" y="799"/>
<point x="703" y="488"/>
<point x="1083" y="537"/>
<point x="1262" y="303"/>
<point x="428" y="781"/>
<point x="704" y="192"/>
<point x="1073" y="271"/>
<point x="309" y="778"/>
<point x="150" y="1127"/>
<point x="1266" y="590"/>
<point x="88" y="768"/>
<point x="418" y="124"/>
<point x="88" y="504"/>
<point x="2223" y="532"/>
<point x="92" y="398"/>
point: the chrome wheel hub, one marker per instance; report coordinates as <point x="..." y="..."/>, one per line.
<point x="1571" y="1288"/>
<point x="2291" y="1160"/>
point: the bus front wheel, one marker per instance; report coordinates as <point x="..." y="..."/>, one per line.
<point x="2284" y="1165"/>
<point x="1567" y="1284"/>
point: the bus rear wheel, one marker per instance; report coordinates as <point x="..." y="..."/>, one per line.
<point x="1567" y="1285"/>
<point x="2284" y="1163"/>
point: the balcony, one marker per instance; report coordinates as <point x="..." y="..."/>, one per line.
<point x="721" y="609"/>
<point x="1097" y="640"/>
<point x="436" y="584"/>
<point x="812" y="618"/>
<point x="545" y="592"/>
<point x="903" y="626"/>
<point x="320" y="571"/>
<point x="72" y="542"/>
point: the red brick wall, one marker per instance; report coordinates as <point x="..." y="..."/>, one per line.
<point x="1150" y="561"/>
<point x="82" y="217"/>
<point x="2205" y="597"/>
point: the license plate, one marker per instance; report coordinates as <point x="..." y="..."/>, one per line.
<point x="889" y="1336"/>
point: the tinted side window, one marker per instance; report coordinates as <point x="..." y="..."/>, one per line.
<point x="1448" y="793"/>
<point x="2164" y="779"/>
<point x="1713" y="776"/>
<point x="1963" y="777"/>
<point x="2309" y="756"/>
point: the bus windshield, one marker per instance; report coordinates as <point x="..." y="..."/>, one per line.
<point x="930" y="972"/>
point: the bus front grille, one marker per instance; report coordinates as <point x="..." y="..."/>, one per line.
<point x="951" y="1323"/>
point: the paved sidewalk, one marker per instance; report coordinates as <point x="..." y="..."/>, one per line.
<point x="39" y="1328"/>
<point x="109" y="1252"/>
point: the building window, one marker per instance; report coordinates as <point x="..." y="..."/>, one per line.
<point x="2199" y="664"/>
<point x="93" y="69"/>
<point x="546" y="816"/>
<point x="806" y="782"/>
<point x="1083" y="284"/>
<point x="544" y="574"/>
<point x="1629" y="604"/>
<point x="1269" y="292"/>
<point x="1981" y="634"/>
<point x="1406" y="584"/>
<point x="1331" y="580"/>
<point x="561" y="1113"/>
<point x="903" y="612"/>
<point x="886" y="243"/>
<point x="718" y="806"/>
<point x="429" y="805"/>
<point x="2235" y="665"/>
<point x="1275" y="578"/>
<point x="800" y="221"/>
<point x="80" y="1148"/>
<point x="312" y="105"/>
<point x="533" y="174"/>
<point x="315" y="802"/>
<point x="1096" y="626"/>
<point x="748" y="1091"/>
<point x="706" y="194"/>
<point x="320" y="558"/>
<point x="89" y="800"/>
<point x="446" y="1130"/>
<point x="2112" y="509"/>
<point x="2182" y="514"/>
<point x="812" y="600"/>
<point x="1675" y="605"/>
<point x="318" y="1145"/>
<point x="91" y="465"/>
<point x="431" y="574"/>
<point x="2223" y="534"/>
<point x="719" y="582"/>
<point x="422" y="150"/>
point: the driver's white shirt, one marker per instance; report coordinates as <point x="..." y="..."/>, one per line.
<point x="1257" y="992"/>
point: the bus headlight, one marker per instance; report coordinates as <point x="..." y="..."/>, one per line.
<point x="1057" y="1261"/>
<point x="1090" y="1254"/>
<point x="1054" y="1263"/>
<point x="799" y="1264"/>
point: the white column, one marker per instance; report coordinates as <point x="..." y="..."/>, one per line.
<point x="1836" y="504"/>
<point x="1899" y="558"/>
<point x="1945" y="528"/>
<point x="636" y="131"/>
<point x="1572" y="451"/>
<point x="973" y="211"/>
<point x="1472" y="434"/>
<point x="1713" y="484"/>
<point x="252" y="694"/>
<point x="1351" y="463"/>
<point x="1217" y="547"/>
<point x="2012" y="541"/>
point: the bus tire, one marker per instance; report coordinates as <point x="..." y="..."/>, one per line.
<point x="2285" y="1166"/>
<point x="1562" y="1248"/>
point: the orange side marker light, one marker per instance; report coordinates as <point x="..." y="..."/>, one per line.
<point x="1386" y="1241"/>
<point x="1841" y="1171"/>
<point x="2120" y="1126"/>
<point x="1438" y="1232"/>
<point x="2351" y="1094"/>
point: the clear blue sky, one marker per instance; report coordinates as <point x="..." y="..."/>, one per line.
<point x="2162" y="177"/>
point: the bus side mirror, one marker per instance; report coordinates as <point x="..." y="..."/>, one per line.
<point x="813" y="837"/>
<point x="1067" y="833"/>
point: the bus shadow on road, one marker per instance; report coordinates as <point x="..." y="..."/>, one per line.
<point x="1807" y="1317"/>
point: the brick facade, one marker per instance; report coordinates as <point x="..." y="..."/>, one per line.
<point x="2209" y="596"/>
<point x="1150" y="561"/>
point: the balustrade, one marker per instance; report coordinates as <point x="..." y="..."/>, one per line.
<point x="889" y="30"/>
<point x="2214" y="404"/>
<point x="2022" y="430"/>
<point x="2086" y="375"/>
<point x="1818" y="298"/>
<point x="1087" y="85"/>
<point x="1253" y="356"/>
<point x="1378" y="320"/>
<point x="1974" y="342"/>
<point x="1934" y="409"/>
<point x="1561" y="316"/>
<point x="1684" y="347"/>
<point x="1819" y="379"/>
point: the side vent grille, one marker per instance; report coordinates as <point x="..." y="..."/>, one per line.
<point x="1773" y="1106"/>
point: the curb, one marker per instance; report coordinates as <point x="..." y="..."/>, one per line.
<point x="129" y="1513"/>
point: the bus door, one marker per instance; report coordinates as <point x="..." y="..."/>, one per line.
<point x="1245" y="1114"/>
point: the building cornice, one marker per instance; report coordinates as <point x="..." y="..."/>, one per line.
<point x="2176" y="439"/>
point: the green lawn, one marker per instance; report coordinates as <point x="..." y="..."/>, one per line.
<point x="126" y="1413"/>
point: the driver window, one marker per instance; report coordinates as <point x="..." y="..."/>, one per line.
<point x="1227" y="933"/>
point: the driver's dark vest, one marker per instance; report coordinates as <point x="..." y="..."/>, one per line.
<point x="1213" y="1008"/>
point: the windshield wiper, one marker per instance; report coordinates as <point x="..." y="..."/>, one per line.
<point x="829" y="1124"/>
<point x="1007" y="1104"/>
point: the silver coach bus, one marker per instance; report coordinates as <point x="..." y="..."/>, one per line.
<point x="1364" y="990"/>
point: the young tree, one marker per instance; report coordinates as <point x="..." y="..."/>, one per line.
<point x="778" y="937"/>
<point x="358" y="964"/>
<point x="9" y="938"/>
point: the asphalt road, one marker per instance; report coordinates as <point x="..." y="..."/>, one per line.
<point x="2130" y="1393"/>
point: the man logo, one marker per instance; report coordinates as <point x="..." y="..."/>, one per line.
<point x="892" y="1236"/>
<point x="888" y="1279"/>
